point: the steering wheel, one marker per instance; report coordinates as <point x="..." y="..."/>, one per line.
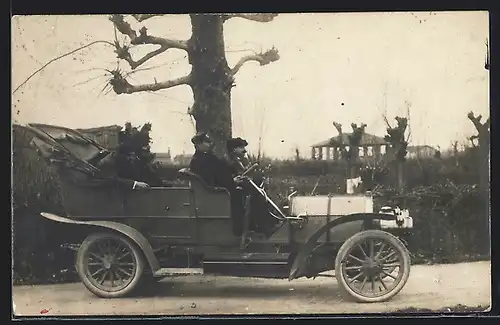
<point x="249" y="169"/>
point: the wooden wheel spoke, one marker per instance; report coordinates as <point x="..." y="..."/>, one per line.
<point x="124" y="255"/>
<point x="357" y="267"/>
<point x="118" y="276"/>
<point x="382" y="282"/>
<point x="371" y="248"/>
<point x="95" y="263"/>
<point x="356" y="277"/>
<point x="117" y="250"/>
<point x="103" y="277"/>
<point x="98" y="271"/>
<point x="125" y="264"/>
<point x="389" y="275"/>
<point x="363" y="284"/>
<point x="372" y="280"/>
<point x="381" y="250"/>
<point x="124" y="272"/>
<point x="389" y="265"/>
<point x="100" y="258"/>
<point x="112" y="278"/>
<point x="362" y="250"/>
<point x="355" y="258"/>
<point x="387" y="256"/>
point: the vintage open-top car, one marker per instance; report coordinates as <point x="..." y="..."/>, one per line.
<point x="135" y="236"/>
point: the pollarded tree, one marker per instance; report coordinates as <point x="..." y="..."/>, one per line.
<point x="396" y="136"/>
<point x="482" y="143"/>
<point x="351" y="156"/>
<point x="211" y="79"/>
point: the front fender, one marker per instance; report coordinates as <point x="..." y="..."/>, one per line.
<point x="306" y="248"/>
<point x="128" y="231"/>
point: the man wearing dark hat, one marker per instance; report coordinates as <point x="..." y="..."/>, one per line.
<point x="215" y="172"/>
<point x="236" y="155"/>
<point x="208" y="166"/>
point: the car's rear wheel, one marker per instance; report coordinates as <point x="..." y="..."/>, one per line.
<point x="110" y="265"/>
<point x="372" y="266"/>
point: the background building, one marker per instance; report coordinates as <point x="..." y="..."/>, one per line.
<point x="371" y="147"/>
<point x="106" y="136"/>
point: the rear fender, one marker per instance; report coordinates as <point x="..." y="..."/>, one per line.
<point x="306" y="248"/>
<point x="128" y="231"/>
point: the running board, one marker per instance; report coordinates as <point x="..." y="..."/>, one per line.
<point x="177" y="271"/>
<point x="268" y="265"/>
<point x="247" y="258"/>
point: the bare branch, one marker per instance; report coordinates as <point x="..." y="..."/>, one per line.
<point x="408" y="106"/>
<point x="476" y="120"/>
<point x="143" y="37"/>
<point x="386" y="120"/>
<point x="57" y="58"/>
<point x="338" y="126"/>
<point x="142" y="17"/>
<point x="261" y="18"/>
<point x="122" y="51"/>
<point x="122" y="86"/>
<point x="263" y="58"/>
<point x="122" y="26"/>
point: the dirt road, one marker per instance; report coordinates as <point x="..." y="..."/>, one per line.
<point x="433" y="287"/>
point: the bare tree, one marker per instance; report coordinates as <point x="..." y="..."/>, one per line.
<point x="260" y="149"/>
<point x="482" y="143"/>
<point x="211" y="79"/>
<point x="454" y="146"/>
<point x="351" y="156"/>
<point x="483" y="130"/>
<point x="398" y="144"/>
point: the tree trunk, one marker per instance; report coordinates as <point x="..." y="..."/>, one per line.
<point x="211" y="79"/>
<point x="484" y="165"/>
<point x="484" y="186"/>
<point x="400" y="176"/>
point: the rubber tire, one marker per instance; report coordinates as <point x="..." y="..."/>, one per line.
<point x="139" y="257"/>
<point x="378" y="234"/>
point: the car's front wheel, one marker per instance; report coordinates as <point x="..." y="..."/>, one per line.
<point x="372" y="266"/>
<point x="110" y="265"/>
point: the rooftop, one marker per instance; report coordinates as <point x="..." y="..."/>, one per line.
<point x="101" y="129"/>
<point x="419" y="147"/>
<point x="366" y="140"/>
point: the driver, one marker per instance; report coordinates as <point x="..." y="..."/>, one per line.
<point x="236" y="157"/>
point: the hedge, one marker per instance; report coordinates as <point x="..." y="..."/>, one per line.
<point x="36" y="251"/>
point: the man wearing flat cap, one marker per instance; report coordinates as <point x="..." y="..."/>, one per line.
<point x="236" y="155"/>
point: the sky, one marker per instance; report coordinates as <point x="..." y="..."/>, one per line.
<point x="344" y="67"/>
